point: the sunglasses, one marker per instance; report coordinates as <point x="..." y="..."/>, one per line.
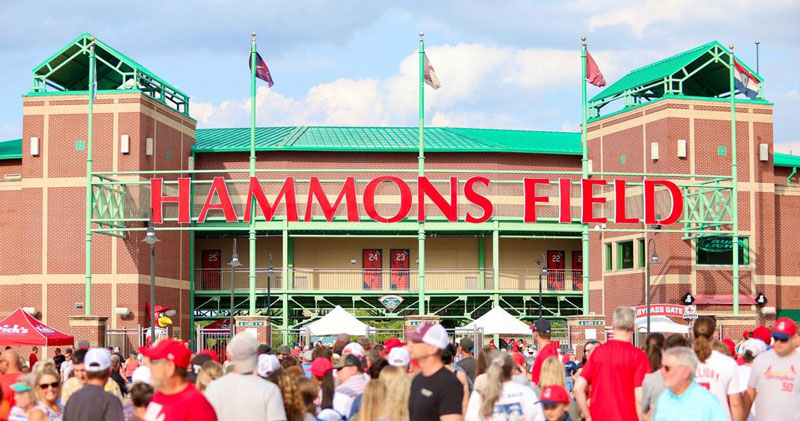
<point x="780" y="339"/>
<point x="53" y="385"/>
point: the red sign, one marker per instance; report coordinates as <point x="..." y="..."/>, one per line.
<point x="372" y="268"/>
<point x="399" y="267"/>
<point x="555" y="270"/>
<point x="670" y="310"/>
<point x="577" y="270"/>
<point x="212" y="273"/>
<point x="219" y="200"/>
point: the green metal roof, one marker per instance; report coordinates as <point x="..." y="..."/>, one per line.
<point x="388" y="139"/>
<point x="710" y="81"/>
<point x="785" y="160"/>
<point x="68" y="70"/>
<point x="11" y="149"/>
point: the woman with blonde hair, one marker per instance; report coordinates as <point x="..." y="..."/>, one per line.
<point x="398" y="385"/>
<point x="553" y="373"/>
<point x="293" y="402"/>
<point x="500" y="398"/>
<point x="372" y="402"/>
<point x="209" y="371"/>
<point x="308" y="392"/>
<point x="46" y="391"/>
<point x="717" y="372"/>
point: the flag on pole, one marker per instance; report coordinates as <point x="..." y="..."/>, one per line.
<point x="430" y="75"/>
<point x="593" y="74"/>
<point x="745" y="82"/>
<point x="262" y="72"/>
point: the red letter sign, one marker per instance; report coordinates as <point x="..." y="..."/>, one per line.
<point x="156" y="199"/>
<point x="405" y="199"/>
<point x="530" y="200"/>
<point x="287" y="192"/>
<point x="565" y="200"/>
<point x="588" y="200"/>
<point x="348" y="192"/>
<point x="426" y="188"/>
<point x="619" y="204"/>
<point x="218" y="187"/>
<point x="650" y="202"/>
<point x="478" y="199"/>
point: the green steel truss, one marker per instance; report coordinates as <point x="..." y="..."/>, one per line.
<point x="707" y="209"/>
<point x="108" y="202"/>
<point x="66" y="72"/>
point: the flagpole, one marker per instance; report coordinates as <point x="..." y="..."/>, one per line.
<point x="735" y="190"/>
<point x="421" y="142"/>
<point x="252" y="271"/>
<point x="89" y="201"/>
<point x="584" y="174"/>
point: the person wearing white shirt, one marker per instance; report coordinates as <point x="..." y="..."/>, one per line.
<point x="717" y="372"/>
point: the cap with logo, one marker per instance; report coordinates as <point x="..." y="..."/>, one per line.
<point x="554" y="394"/>
<point x="399" y="357"/>
<point x="170" y="350"/>
<point x="762" y="333"/>
<point x="542" y="326"/>
<point x="195" y="366"/>
<point x="431" y="334"/>
<point x="349" y="360"/>
<point x="267" y="363"/>
<point x="390" y="344"/>
<point x="784" y="329"/>
<point x="97" y="359"/>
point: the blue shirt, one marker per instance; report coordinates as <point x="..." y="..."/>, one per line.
<point x="306" y="369"/>
<point x="696" y="403"/>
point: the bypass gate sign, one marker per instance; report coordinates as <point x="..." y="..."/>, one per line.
<point x="669" y="310"/>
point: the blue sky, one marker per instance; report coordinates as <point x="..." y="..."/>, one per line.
<point x="510" y="64"/>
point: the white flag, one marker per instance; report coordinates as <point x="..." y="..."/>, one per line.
<point x="430" y="75"/>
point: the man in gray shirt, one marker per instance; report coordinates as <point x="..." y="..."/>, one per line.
<point x="91" y="402"/>
<point x="467" y="361"/>
<point x="774" y="384"/>
<point x="242" y="394"/>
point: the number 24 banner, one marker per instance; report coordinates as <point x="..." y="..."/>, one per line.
<point x="372" y="268"/>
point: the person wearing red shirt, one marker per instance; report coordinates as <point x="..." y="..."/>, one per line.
<point x="9" y="367"/>
<point x="615" y="373"/>
<point x="175" y="398"/>
<point x="32" y="359"/>
<point x="541" y="335"/>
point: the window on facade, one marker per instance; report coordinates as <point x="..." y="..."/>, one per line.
<point x="609" y="258"/>
<point x="642" y="253"/>
<point x="719" y="251"/>
<point x="625" y="255"/>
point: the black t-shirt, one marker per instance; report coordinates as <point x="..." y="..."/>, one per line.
<point x="92" y="403"/>
<point x="117" y="377"/>
<point x="434" y="396"/>
<point x="470" y="366"/>
<point x="57" y="360"/>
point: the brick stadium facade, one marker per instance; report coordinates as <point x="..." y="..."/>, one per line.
<point x="42" y="219"/>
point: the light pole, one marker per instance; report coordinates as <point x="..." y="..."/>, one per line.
<point x="648" y="261"/>
<point x="234" y="263"/>
<point x="151" y="240"/>
<point x="270" y="274"/>
<point x="542" y="271"/>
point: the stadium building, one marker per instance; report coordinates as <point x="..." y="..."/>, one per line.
<point x="333" y="190"/>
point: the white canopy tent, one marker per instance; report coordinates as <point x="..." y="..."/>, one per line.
<point x="662" y="324"/>
<point x="336" y="322"/>
<point x="499" y="321"/>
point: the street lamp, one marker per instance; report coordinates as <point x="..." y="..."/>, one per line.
<point x="151" y="240"/>
<point x="270" y="274"/>
<point x="653" y="260"/>
<point x="542" y="271"/>
<point x="234" y="263"/>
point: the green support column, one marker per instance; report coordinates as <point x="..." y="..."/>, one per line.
<point x="285" y="318"/>
<point x="421" y="163"/>
<point x="496" y="262"/>
<point x="191" y="268"/>
<point x="421" y="269"/>
<point x="286" y="254"/>
<point x="89" y="198"/>
<point x="482" y="262"/>
<point x="584" y="174"/>
<point x="735" y="190"/>
<point x="252" y="233"/>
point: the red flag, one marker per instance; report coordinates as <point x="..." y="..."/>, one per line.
<point x="262" y="71"/>
<point x="593" y="74"/>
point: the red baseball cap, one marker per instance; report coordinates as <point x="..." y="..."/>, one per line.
<point x="320" y="366"/>
<point x="518" y="358"/>
<point x="554" y="394"/>
<point x="762" y="333"/>
<point x="731" y="346"/>
<point x="170" y="350"/>
<point x="391" y="343"/>
<point x="784" y="329"/>
<point x="211" y="353"/>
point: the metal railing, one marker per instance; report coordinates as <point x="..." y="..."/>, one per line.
<point x="340" y="279"/>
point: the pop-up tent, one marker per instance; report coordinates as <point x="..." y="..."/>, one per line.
<point x="336" y="322"/>
<point x="662" y="324"/>
<point x="20" y="329"/>
<point x="499" y="321"/>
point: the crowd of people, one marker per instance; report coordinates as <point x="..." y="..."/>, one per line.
<point x="428" y="378"/>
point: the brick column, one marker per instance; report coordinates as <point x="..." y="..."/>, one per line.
<point x="411" y="323"/>
<point x="256" y="325"/>
<point x="578" y="327"/>
<point x="91" y="329"/>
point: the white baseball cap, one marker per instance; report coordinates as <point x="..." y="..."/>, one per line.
<point x="97" y="359"/>
<point x="399" y="357"/>
<point x="431" y="334"/>
<point x="353" y="348"/>
<point x="141" y="374"/>
<point x="755" y="346"/>
<point x="267" y="363"/>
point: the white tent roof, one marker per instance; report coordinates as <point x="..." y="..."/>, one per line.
<point x="661" y="324"/>
<point x="499" y="321"/>
<point x="336" y="322"/>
